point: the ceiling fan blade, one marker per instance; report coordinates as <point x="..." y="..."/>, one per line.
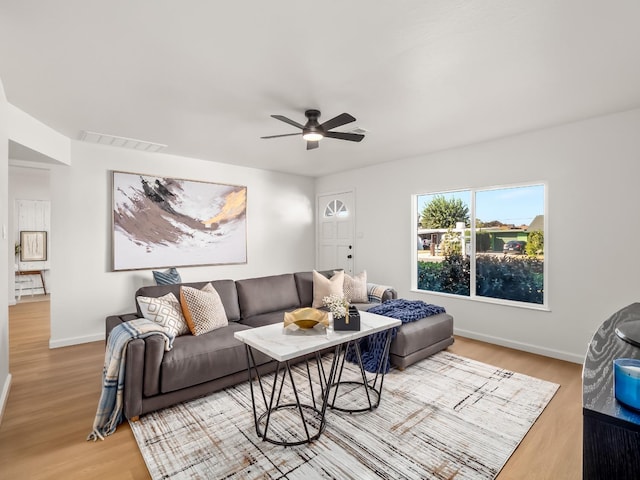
<point x="287" y="120"/>
<point x="284" y="135"/>
<point x="352" y="137"/>
<point x="338" y="121"/>
<point x="311" y="145"/>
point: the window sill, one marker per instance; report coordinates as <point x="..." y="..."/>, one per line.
<point x="493" y="301"/>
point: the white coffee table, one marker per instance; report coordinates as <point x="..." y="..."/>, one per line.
<point x="286" y="349"/>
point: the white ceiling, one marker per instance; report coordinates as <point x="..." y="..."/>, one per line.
<point x="419" y="75"/>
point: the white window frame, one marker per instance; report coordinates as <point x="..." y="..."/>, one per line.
<point x="472" y="271"/>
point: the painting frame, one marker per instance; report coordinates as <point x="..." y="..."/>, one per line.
<point x="162" y="222"/>
<point x="33" y="246"/>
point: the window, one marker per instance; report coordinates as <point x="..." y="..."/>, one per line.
<point x="335" y="208"/>
<point x="483" y="243"/>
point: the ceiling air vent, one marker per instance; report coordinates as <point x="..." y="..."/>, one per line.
<point x="124" y="142"/>
<point x="359" y="130"/>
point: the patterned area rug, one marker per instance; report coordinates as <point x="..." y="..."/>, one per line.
<point x="442" y="418"/>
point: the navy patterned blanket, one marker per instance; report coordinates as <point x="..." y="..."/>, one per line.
<point x="372" y="347"/>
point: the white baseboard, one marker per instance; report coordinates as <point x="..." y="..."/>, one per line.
<point x="527" y="347"/>
<point x="66" y="342"/>
<point x="4" y="396"/>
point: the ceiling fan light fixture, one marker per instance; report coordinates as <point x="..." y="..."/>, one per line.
<point x="312" y="136"/>
<point x="313" y="131"/>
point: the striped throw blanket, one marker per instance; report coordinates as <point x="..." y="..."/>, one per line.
<point x="375" y="292"/>
<point x="372" y="346"/>
<point x="109" y="413"/>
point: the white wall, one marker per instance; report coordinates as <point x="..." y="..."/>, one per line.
<point x="280" y="230"/>
<point x="592" y="169"/>
<point x="28" y="183"/>
<point x="5" y="255"/>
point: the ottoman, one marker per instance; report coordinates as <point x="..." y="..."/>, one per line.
<point x="421" y="338"/>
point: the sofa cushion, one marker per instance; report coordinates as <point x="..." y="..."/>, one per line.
<point x="203" y="309"/>
<point x="414" y="336"/>
<point x="267" y="294"/>
<point x="194" y="360"/>
<point x="323" y="287"/>
<point x="164" y="311"/>
<point x="225" y="288"/>
<point x="264" y="319"/>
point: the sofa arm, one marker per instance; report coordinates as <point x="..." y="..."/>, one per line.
<point x="133" y="378"/>
<point x="142" y="366"/>
<point x="153" y="356"/>
<point x="380" y="293"/>
<point x="114" y="320"/>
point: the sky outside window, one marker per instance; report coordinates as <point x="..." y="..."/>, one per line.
<point x="516" y="205"/>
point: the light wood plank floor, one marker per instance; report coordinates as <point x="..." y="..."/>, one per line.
<point x="54" y="394"/>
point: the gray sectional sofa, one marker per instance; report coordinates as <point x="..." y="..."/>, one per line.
<point x="199" y="365"/>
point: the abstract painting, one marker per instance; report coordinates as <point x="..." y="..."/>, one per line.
<point x="170" y="222"/>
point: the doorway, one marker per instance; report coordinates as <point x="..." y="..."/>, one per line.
<point x="29" y="218"/>
<point x="335" y="231"/>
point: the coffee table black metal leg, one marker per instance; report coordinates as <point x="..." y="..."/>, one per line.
<point x="270" y="407"/>
<point x="295" y="393"/>
<point x="380" y="373"/>
<point x="342" y="350"/>
<point x="330" y="380"/>
<point x="365" y="383"/>
<point x="382" y="366"/>
<point x="257" y="372"/>
<point x="313" y="396"/>
<point x="281" y="386"/>
<point x="253" y="398"/>
<point x="252" y="365"/>
<point x="274" y="402"/>
<point x="322" y="377"/>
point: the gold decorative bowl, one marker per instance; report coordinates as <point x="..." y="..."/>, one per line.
<point x="306" y="318"/>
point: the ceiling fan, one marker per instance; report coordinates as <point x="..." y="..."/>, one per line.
<point x="313" y="132"/>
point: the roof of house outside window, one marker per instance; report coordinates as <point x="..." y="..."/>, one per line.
<point x="537" y="223"/>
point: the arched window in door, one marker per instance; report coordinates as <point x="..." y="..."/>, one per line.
<point x="335" y="208"/>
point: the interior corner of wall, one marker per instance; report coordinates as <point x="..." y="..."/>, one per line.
<point x="3" y="97"/>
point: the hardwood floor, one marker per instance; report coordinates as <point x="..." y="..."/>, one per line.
<point x="54" y="394"/>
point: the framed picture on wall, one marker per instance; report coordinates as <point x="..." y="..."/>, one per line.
<point x="170" y="222"/>
<point x="33" y="246"/>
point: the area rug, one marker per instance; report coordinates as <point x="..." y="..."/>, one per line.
<point x="446" y="417"/>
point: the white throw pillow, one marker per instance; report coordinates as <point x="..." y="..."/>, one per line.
<point x="323" y="287"/>
<point x="355" y="288"/>
<point x="164" y="311"/>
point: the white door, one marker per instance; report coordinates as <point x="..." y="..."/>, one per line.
<point x="334" y="235"/>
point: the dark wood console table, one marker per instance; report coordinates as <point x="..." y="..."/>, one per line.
<point x="611" y="432"/>
<point x="34" y="272"/>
